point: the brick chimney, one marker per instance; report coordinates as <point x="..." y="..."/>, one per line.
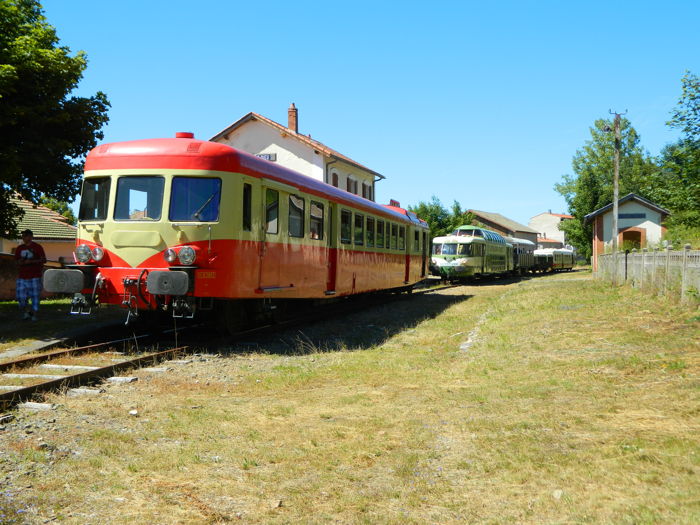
<point x="293" y="118"/>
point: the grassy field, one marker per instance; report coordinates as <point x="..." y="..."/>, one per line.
<point x="552" y="400"/>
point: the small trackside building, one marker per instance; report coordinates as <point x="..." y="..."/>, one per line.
<point x="639" y="224"/>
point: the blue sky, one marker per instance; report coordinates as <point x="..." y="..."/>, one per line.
<point x="483" y="103"/>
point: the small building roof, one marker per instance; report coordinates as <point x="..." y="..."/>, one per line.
<point x="502" y="221"/>
<point x="45" y="223"/>
<point x="304" y="139"/>
<point x="628" y="197"/>
<point x="545" y="239"/>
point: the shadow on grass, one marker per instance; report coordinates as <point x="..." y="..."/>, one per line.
<point x="372" y="323"/>
<point x="54" y="321"/>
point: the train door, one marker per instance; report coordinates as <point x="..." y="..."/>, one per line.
<point x="332" y="249"/>
<point x="424" y="253"/>
<point x="269" y="268"/>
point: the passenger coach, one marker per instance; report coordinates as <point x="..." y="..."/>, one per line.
<point x="186" y="225"/>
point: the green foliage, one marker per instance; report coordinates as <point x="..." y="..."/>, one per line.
<point x="61" y="207"/>
<point x="686" y="116"/>
<point x="46" y="132"/>
<point x="591" y="185"/>
<point x="439" y="219"/>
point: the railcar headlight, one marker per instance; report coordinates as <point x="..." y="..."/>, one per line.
<point x="170" y="255"/>
<point x="83" y="253"/>
<point x="187" y="255"/>
<point x="98" y="253"/>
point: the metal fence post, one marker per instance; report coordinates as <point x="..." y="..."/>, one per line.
<point x="654" y="286"/>
<point x="644" y="260"/>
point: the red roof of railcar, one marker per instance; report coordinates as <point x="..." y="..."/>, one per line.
<point x="193" y="154"/>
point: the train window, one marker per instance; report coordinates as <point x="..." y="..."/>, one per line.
<point x="94" y="199"/>
<point x="247" y="207"/>
<point x="139" y="198"/>
<point x="437" y="249"/>
<point x="402" y="237"/>
<point x="359" y="229"/>
<point x="345" y="226"/>
<point x="296" y="216"/>
<point x="370" y="232"/>
<point x="464" y="250"/>
<point x="271" y="210"/>
<point x="416" y="241"/>
<point x="316" y="222"/>
<point x="394" y="234"/>
<point x="380" y="234"/>
<point x="195" y="199"/>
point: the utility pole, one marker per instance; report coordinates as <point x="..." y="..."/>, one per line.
<point x="616" y="191"/>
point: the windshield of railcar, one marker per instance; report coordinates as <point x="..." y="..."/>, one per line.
<point x="195" y="199"/>
<point x="94" y="199"/>
<point x="139" y="198"/>
<point x="449" y="249"/>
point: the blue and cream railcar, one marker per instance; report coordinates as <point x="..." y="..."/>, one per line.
<point x="470" y="252"/>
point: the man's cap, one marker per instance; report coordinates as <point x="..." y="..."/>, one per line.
<point x="27" y="232"/>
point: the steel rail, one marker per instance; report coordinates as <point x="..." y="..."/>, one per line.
<point x="35" y="359"/>
<point x="12" y="398"/>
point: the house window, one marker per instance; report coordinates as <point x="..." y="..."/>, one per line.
<point x="334" y="179"/>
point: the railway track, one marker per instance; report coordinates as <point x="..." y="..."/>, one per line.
<point x="25" y="378"/>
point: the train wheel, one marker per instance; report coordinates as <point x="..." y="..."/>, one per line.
<point x="231" y="317"/>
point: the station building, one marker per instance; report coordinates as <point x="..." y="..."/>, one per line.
<point x="639" y="225"/>
<point x="274" y="142"/>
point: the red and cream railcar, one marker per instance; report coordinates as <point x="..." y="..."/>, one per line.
<point x="182" y="224"/>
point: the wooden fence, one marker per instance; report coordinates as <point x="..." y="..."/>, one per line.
<point x="664" y="272"/>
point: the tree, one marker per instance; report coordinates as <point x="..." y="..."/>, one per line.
<point x="439" y="219"/>
<point x="686" y="116"/>
<point x="591" y="185"/>
<point x="46" y="131"/>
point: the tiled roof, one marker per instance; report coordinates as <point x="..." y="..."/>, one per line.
<point x="502" y="221"/>
<point x="628" y="197"/>
<point x="545" y="239"/>
<point x="562" y="215"/>
<point x="305" y="139"/>
<point x="45" y="223"/>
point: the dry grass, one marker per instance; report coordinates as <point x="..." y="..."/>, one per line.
<point x="554" y="400"/>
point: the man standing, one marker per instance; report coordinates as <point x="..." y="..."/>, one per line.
<point x="30" y="259"/>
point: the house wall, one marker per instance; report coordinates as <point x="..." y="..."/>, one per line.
<point x="547" y="225"/>
<point x="54" y="250"/>
<point x="257" y="137"/>
<point x="650" y="225"/>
